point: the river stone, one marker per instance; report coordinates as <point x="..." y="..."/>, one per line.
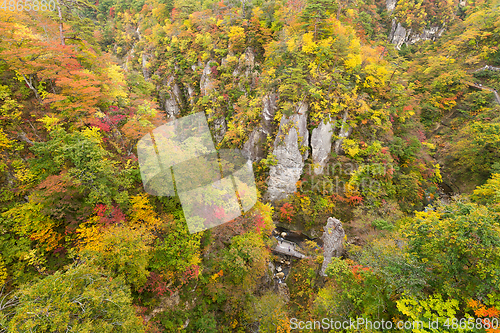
<point x="333" y="238"/>
<point x="321" y="144"/>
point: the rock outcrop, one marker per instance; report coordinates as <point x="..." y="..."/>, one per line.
<point x="488" y="68"/>
<point x="400" y="35"/>
<point x="284" y="292"/>
<point x="333" y="239"/>
<point x="190" y="90"/>
<point x="206" y="83"/>
<point x="173" y="100"/>
<point x="290" y="150"/>
<point x="253" y="149"/>
<point x="246" y="63"/>
<point x="321" y="144"/>
<point x="345" y="131"/>
<point x="390" y="5"/>
<point x="219" y="129"/>
<point x="145" y="65"/>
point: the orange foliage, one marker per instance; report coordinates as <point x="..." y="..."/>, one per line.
<point x="481" y="311"/>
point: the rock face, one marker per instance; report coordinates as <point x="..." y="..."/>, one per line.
<point x="219" y="129"/>
<point x="173" y="100"/>
<point x="190" y="94"/>
<point x="290" y="160"/>
<point x="145" y="67"/>
<point x="399" y="35"/>
<point x="321" y="144"/>
<point x="246" y="61"/>
<point x="284" y="292"/>
<point x="345" y="131"/>
<point x="268" y="112"/>
<point x="333" y="238"/>
<point x="253" y="149"/>
<point x="487" y="67"/>
<point x="390" y="5"/>
<point x="206" y="84"/>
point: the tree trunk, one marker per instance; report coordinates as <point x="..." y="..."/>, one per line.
<point x="61" y="35"/>
<point x="30" y="85"/>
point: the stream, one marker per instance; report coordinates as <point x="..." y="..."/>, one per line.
<point x="443" y="193"/>
<point x="283" y="263"/>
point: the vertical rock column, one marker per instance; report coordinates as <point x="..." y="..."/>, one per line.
<point x="173" y="101"/>
<point x="333" y="238"/>
<point x="207" y="85"/>
<point x="253" y="149"/>
<point x="290" y="155"/>
<point x="321" y="144"/>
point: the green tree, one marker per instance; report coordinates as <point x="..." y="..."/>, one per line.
<point x="82" y="299"/>
<point x="123" y="251"/>
<point x="88" y="164"/>
<point x="489" y="193"/>
<point x="315" y="12"/>
<point x="459" y="246"/>
<point x="244" y="261"/>
<point x="268" y="311"/>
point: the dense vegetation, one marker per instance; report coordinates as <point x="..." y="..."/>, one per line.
<point x="84" y="249"/>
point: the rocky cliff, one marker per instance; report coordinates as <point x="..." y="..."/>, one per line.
<point x="399" y="35"/>
<point x="291" y="151"/>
